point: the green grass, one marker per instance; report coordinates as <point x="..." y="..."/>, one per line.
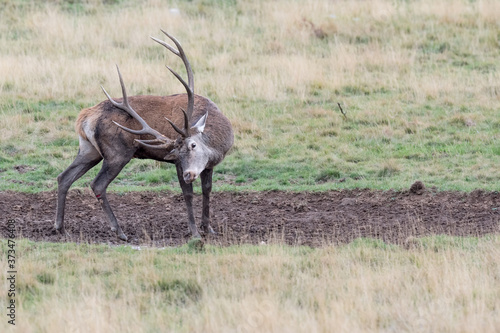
<point x="319" y="153"/>
<point x="418" y="82"/>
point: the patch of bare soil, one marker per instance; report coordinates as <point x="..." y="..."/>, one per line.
<point x="305" y="218"/>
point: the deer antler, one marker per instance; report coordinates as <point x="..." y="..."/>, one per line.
<point x="189" y="86"/>
<point x="146" y="129"/>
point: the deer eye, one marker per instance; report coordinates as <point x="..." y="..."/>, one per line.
<point x="193" y="145"/>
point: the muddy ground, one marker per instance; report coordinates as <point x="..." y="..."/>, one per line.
<point x="313" y="219"/>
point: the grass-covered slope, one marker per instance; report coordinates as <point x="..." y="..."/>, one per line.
<point x="418" y="80"/>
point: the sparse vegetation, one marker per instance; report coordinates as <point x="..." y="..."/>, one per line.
<point x="418" y="80"/>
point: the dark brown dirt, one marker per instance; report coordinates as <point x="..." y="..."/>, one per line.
<point x="313" y="219"/>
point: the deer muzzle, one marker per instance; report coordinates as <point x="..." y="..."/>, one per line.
<point x="189" y="176"/>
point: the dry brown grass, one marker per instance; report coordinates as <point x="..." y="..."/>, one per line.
<point x="259" y="55"/>
<point x="438" y="285"/>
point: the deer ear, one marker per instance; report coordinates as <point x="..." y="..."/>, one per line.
<point x="200" y="124"/>
<point x="173" y="155"/>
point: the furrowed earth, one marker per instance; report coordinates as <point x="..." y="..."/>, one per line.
<point x="306" y="218"/>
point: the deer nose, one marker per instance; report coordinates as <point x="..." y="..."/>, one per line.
<point x="189" y="176"/>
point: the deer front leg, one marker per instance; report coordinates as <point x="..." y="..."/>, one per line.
<point x="187" y="191"/>
<point x="206" y="188"/>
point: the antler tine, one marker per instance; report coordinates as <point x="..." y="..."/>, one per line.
<point x="177" y="129"/>
<point x="180" y="79"/>
<point x="190" y="85"/>
<point x="168" y="46"/>
<point x="167" y="145"/>
<point x="146" y="129"/>
<point x="182" y="55"/>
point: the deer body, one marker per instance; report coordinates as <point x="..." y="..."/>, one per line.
<point x="115" y="131"/>
<point x="153" y="109"/>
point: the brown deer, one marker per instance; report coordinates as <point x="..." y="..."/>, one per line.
<point x="195" y="137"/>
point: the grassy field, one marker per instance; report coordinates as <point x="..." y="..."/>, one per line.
<point x="441" y="284"/>
<point x="418" y="80"/>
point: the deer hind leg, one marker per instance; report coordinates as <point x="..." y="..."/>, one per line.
<point x="187" y="191"/>
<point x="110" y="169"/>
<point x="206" y="188"/>
<point x="86" y="159"/>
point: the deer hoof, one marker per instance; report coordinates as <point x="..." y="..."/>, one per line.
<point x="62" y="231"/>
<point x="123" y="237"/>
<point x="210" y="232"/>
<point x="207" y="230"/>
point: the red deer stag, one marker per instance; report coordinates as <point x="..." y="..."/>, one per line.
<point x="195" y="137"/>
